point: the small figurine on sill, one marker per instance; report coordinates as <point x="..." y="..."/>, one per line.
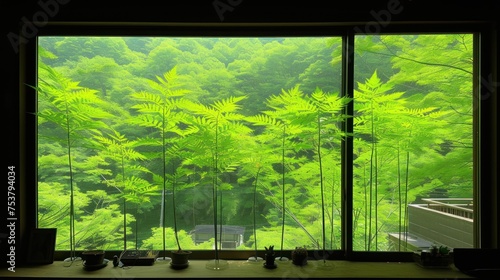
<point x="269" y="258"/>
<point x="435" y="256"/>
<point x="439" y="251"/>
<point x="299" y="256"/>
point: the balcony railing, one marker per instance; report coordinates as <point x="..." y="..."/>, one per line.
<point x="443" y="221"/>
<point x="462" y="207"/>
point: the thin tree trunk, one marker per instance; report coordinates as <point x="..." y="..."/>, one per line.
<point x="254" y="212"/>
<point x="366" y="209"/>
<point x="215" y="182"/>
<point x="283" y="189"/>
<point x="72" y="243"/>
<point x="399" y="200"/>
<point x="376" y="197"/>
<point x="321" y="186"/>
<point x="164" y="176"/>
<point x="406" y="195"/>
<point x="220" y="222"/>
<point x="174" y="212"/>
<point x="124" y="206"/>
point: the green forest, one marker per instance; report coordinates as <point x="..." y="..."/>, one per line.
<point x="247" y="132"/>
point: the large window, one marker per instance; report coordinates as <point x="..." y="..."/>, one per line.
<point x="413" y="142"/>
<point x="242" y="138"/>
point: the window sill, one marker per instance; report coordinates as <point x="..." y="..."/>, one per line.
<point x="242" y="269"/>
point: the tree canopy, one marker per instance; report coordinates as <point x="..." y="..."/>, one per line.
<point x="147" y="117"/>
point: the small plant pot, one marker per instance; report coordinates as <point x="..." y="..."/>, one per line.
<point x="299" y="256"/>
<point x="269" y="261"/>
<point x="427" y="259"/>
<point x="93" y="257"/>
<point x="180" y="259"/>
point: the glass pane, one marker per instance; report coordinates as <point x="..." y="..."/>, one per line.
<point x="413" y="181"/>
<point x="243" y="131"/>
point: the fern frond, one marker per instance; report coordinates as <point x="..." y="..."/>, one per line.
<point x="263" y="119"/>
<point x="228" y="105"/>
<point x="147" y="97"/>
<point x="148" y="121"/>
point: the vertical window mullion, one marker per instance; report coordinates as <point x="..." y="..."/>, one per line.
<point x="347" y="143"/>
<point x="475" y="127"/>
<point x="484" y="136"/>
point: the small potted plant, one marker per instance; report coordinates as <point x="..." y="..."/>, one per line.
<point x="180" y="259"/>
<point x="435" y="256"/>
<point x="93" y="257"/>
<point x="299" y="256"/>
<point x="269" y="257"/>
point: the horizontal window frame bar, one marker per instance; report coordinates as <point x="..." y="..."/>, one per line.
<point x="306" y="29"/>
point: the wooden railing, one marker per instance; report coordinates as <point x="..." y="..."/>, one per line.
<point x="443" y="221"/>
<point x="462" y="207"/>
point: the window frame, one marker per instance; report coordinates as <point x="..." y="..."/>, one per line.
<point x="484" y="201"/>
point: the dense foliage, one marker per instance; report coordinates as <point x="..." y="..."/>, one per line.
<point x="123" y="122"/>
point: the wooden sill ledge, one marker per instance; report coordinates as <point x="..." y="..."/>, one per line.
<point x="241" y="269"/>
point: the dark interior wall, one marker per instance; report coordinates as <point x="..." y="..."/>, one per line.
<point x="382" y="12"/>
<point x="250" y="10"/>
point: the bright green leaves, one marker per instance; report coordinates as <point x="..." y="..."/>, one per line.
<point x="408" y="115"/>
<point x="220" y="113"/>
<point x="73" y="108"/>
<point x="116" y="148"/>
<point x="235" y="109"/>
<point x="295" y="126"/>
<point x="159" y="107"/>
